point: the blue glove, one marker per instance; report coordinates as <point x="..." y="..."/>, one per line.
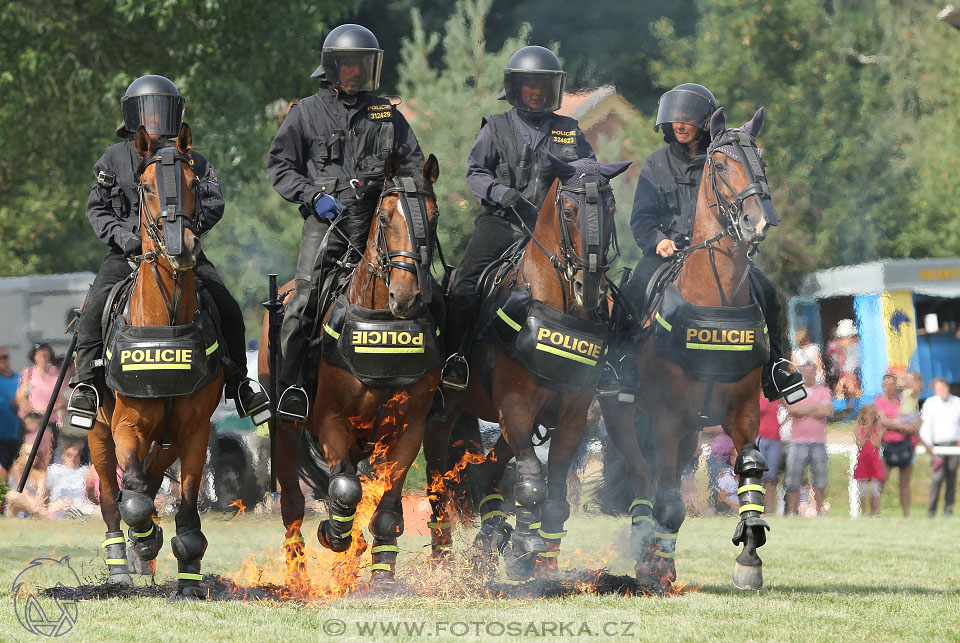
<point x="327" y="207"/>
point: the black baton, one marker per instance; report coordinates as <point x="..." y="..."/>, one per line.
<point x="274" y="317"/>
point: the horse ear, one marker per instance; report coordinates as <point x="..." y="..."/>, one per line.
<point x="142" y="141"/>
<point x="610" y="170"/>
<point x="431" y="170"/>
<point x="753" y="127"/>
<point x="391" y="166"/>
<point x="718" y="124"/>
<point x="561" y="169"/>
<point x="184" y="139"/>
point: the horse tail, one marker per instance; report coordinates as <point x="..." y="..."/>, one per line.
<point x="313" y="466"/>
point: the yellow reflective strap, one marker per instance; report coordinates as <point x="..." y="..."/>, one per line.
<point x="109" y="354"/>
<point x="556" y="351"/>
<point x="117" y="561"/>
<point x="491" y="514"/>
<point x="534" y="525"/>
<point x="492" y="496"/>
<point x="383" y="566"/>
<point x="345" y="518"/>
<point x="443" y="546"/>
<point x="553" y="536"/>
<point x="143" y="534"/>
<point x="549" y="554"/>
<point x="439" y="525"/>
<point x="752" y="487"/>
<point x="664" y="554"/>
<point x="329" y="331"/>
<point x="188" y="576"/>
<point x="293" y="540"/>
<point x="719" y="347"/>
<point x="387" y="350"/>
<point x="116" y="540"/>
<point x="665" y="536"/>
<point x="663" y="322"/>
<point x="640" y="502"/>
<point x="751" y="508"/>
<point x="380" y="548"/>
<point x="213" y="347"/>
<point x="638" y="519"/>
<point x="509" y="322"/>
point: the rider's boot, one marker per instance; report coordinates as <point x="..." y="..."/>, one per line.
<point x="456" y="373"/>
<point x="437" y="412"/>
<point x="779" y="378"/>
<point x="250" y="398"/>
<point x="84" y="404"/>
<point x="294" y="403"/>
<point x="782" y="379"/>
<point x="618" y="376"/>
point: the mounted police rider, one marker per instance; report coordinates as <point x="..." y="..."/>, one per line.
<point x="509" y="173"/>
<point x="113" y="209"/>
<point x="328" y="157"/>
<point x="664" y="209"/>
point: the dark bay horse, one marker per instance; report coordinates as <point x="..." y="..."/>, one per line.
<point x="356" y="415"/>
<point x="719" y="382"/>
<point x="133" y="431"/>
<point x="547" y="310"/>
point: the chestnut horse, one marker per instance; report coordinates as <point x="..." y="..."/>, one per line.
<point x="133" y="432"/>
<point x="562" y="268"/>
<point x="733" y="213"/>
<point x="351" y="420"/>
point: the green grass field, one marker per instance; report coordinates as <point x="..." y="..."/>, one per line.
<point x="830" y="578"/>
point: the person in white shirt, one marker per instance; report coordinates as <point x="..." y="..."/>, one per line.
<point x="941" y="427"/>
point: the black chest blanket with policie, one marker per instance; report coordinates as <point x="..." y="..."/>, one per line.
<point x="560" y="352"/>
<point x="716" y="343"/>
<point x="377" y="348"/>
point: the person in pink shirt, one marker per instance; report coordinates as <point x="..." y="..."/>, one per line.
<point x="768" y="441"/>
<point x="37" y="383"/>
<point x="808" y="442"/>
<point x="869" y="472"/>
<point x="898" y="450"/>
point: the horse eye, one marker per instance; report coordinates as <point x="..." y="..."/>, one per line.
<point x="568" y="214"/>
<point x="720" y="166"/>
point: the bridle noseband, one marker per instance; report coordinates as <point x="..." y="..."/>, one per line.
<point x="590" y="198"/>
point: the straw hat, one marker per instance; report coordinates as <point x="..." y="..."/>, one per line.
<point x="846" y="328"/>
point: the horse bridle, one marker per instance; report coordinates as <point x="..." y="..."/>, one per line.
<point x="411" y="201"/>
<point x="166" y="229"/>
<point x="590" y="197"/>
<point x="757" y="186"/>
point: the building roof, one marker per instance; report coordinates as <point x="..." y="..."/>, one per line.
<point x="64" y="282"/>
<point x="931" y="277"/>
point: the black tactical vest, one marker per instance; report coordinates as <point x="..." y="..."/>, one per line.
<point x="122" y="184"/>
<point x="528" y="170"/>
<point x="337" y="156"/>
<point x="679" y="189"/>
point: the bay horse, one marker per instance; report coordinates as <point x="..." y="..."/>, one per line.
<point x="733" y="213"/>
<point x="548" y="302"/>
<point x="354" y="415"/>
<point x="134" y="432"/>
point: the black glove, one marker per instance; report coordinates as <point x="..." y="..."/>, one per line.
<point x="131" y="246"/>
<point x="509" y="198"/>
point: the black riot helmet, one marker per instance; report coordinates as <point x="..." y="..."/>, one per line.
<point x="351" y="59"/>
<point x="687" y="103"/>
<point x="533" y="80"/>
<point x="155" y="103"/>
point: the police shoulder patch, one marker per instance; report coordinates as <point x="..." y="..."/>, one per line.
<point x="380" y="112"/>
<point x="212" y="176"/>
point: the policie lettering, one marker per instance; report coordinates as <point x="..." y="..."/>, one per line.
<point x="156" y="359"/>
<point x="565" y="137"/>
<point x="714" y="339"/>
<point x="564" y="345"/>
<point x="386" y="341"/>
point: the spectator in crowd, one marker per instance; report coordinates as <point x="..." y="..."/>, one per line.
<point x="869" y="472"/>
<point x="9" y="422"/>
<point x="844" y="355"/>
<point x="808" y="442"/>
<point x="910" y="398"/>
<point x="728" y="501"/>
<point x="37" y="383"/>
<point x="768" y="441"/>
<point x="70" y="486"/>
<point x="32" y="501"/>
<point x="807" y="353"/>
<point x="31" y="427"/>
<point x="720" y="446"/>
<point x="941" y="427"/>
<point x="898" y="450"/>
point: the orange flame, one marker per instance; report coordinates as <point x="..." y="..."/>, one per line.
<point x="241" y="509"/>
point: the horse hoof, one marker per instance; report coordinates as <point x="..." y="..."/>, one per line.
<point x="337" y="545"/>
<point x="491" y="539"/>
<point x="122" y="579"/>
<point x="747" y="576"/>
<point x="519" y="565"/>
<point x="189" y="594"/>
<point x="383" y="583"/>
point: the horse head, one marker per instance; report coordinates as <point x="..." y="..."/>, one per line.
<point x="585" y="207"/>
<point x="738" y="180"/>
<point x="405" y="229"/>
<point x="167" y="210"/>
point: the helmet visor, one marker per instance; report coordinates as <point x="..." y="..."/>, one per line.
<point x="534" y="91"/>
<point x="683" y="106"/>
<point x="353" y="70"/>
<point x="160" y="115"/>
